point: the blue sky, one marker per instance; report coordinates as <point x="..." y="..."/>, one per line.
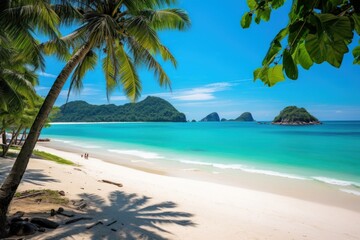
<point x="216" y="58"/>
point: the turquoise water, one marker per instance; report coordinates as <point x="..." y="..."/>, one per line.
<point x="329" y="153"/>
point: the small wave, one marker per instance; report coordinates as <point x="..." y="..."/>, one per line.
<point x="337" y="182"/>
<point x="138" y="153"/>
<point x="196" y="162"/>
<point x="357" y="193"/>
<point x="245" y="169"/>
<point x="63" y="141"/>
<point x="273" y="173"/>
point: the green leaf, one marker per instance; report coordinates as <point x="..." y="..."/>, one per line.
<point x="274" y="49"/>
<point x="246" y="20"/>
<point x="297" y="31"/>
<point x="257" y="73"/>
<point x="323" y="49"/>
<point x="290" y="67"/>
<point x="262" y="74"/>
<point x="356" y="18"/>
<point x="277" y="3"/>
<point x="316" y="23"/>
<point x="265" y="14"/>
<point x="337" y="28"/>
<point x="258" y="17"/>
<point x="356" y="53"/>
<point x="275" y="75"/>
<point x="252" y="4"/>
<point x="282" y="34"/>
<point x="330" y="42"/>
<point x="302" y="57"/>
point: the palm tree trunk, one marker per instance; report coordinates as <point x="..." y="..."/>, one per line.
<point x="12" y="181"/>
<point x="13" y="137"/>
<point x="3" y="139"/>
<point x="23" y="136"/>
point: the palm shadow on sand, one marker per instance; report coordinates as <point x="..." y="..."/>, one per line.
<point x="137" y="218"/>
<point x="33" y="176"/>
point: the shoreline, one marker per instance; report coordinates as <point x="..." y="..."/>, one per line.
<point x="308" y="190"/>
<point x="156" y="206"/>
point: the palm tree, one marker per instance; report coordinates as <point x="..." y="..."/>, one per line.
<point x="126" y="31"/>
<point x="20" y="56"/>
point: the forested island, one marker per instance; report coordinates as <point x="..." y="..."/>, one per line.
<point x="151" y="109"/>
<point x="293" y="115"/>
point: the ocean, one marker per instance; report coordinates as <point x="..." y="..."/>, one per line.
<point x="328" y="153"/>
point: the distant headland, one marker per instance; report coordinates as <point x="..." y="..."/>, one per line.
<point x="151" y="109"/>
<point x="214" y="117"/>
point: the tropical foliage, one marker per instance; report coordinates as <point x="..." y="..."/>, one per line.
<point x="123" y="33"/>
<point x="16" y="124"/>
<point x="123" y="36"/>
<point x="317" y="31"/>
<point x="152" y="109"/>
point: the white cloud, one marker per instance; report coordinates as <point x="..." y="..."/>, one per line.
<point x="194" y="97"/>
<point x="48" y="75"/>
<point x="204" y="93"/>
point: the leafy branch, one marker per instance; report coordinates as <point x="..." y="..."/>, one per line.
<point x="317" y="31"/>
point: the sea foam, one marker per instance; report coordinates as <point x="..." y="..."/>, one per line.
<point x="138" y="153"/>
<point x="337" y="182"/>
<point x="245" y="169"/>
<point x="357" y="193"/>
<point x="63" y="141"/>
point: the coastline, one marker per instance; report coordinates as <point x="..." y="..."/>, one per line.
<point x="308" y="190"/>
<point x="198" y="208"/>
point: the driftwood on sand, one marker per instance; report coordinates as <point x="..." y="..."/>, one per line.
<point x="110" y="182"/>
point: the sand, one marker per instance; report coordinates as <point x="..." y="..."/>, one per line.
<point x="156" y="206"/>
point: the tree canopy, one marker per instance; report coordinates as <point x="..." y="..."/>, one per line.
<point x="317" y="31"/>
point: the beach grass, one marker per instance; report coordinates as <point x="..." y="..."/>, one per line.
<point x="51" y="157"/>
<point x="43" y="155"/>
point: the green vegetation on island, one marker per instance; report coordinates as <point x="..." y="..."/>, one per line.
<point x="293" y="115"/>
<point x="151" y="109"/>
<point x="245" y="117"/>
<point x="212" y="117"/>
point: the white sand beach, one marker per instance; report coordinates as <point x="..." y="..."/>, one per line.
<point x="155" y="206"/>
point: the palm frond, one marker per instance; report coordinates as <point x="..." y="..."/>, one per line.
<point x="68" y="13"/>
<point x="87" y="63"/>
<point x="167" y="19"/>
<point x="139" y="28"/>
<point x="143" y="56"/>
<point x="167" y="55"/>
<point x="128" y="75"/>
<point x="57" y="47"/>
